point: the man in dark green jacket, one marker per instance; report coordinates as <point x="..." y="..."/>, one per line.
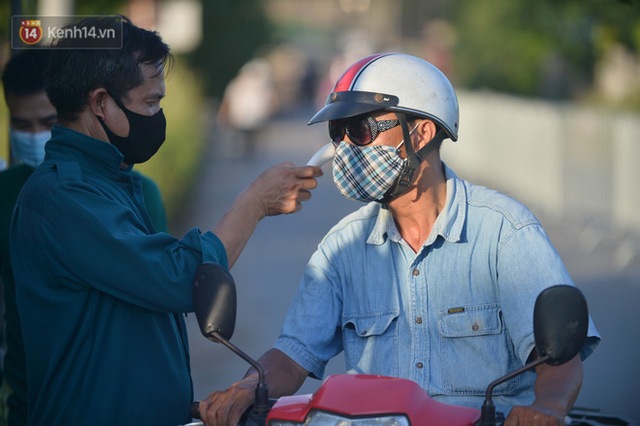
<point x="31" y="119"/>
<point x="100" y="293"/>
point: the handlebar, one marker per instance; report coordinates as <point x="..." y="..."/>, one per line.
<point x="194" y="410"/>
<point x="249" y="418"/>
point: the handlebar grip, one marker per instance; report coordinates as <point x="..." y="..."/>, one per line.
<point x="194" y="410"/>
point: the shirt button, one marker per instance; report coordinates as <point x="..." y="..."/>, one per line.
<point x="419" y="365"/>
<point x="419" y="320"/>
<point x="416" y="272"/>
<point x="475" y="327"/>
<point x="363" y="332"/>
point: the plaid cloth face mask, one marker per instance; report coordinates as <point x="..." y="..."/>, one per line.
<point x="366" y="173"/>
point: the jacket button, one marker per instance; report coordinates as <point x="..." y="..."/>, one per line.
<point x="419" y="365"/>
<point x="363" y="332"/>
<point x="419" y="320"/>
<point x="416" y="272"/>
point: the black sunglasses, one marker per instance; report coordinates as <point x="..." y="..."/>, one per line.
<point x="361" y="130"/>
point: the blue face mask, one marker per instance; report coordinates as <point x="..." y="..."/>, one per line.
<point x="28" y="147"/>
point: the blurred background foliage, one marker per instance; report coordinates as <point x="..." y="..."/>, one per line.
<point x="234" y="32"/>
<point x="563" y="50"/>
<point x="540" y="48"/>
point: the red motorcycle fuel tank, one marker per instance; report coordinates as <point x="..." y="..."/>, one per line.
<point x="367" y="396"/>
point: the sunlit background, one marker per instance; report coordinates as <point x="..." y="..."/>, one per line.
<point x="554" y="81"/>
<point x="549" y="91"/>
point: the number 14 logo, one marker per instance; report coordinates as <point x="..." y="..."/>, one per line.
<point x="30" y="31"/>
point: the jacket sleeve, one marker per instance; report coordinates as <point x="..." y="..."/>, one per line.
<point x="92" y="242"/>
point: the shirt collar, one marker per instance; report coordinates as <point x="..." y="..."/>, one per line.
<point x="83" y="147"/>
<point x="449" y="223"/>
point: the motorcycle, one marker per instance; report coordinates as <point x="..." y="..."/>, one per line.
<point x="560" y="329"/>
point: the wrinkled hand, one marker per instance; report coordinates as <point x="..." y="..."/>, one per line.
<point x="535" y="415"/>
<point x="282" y="188"/>
<point x="224" y="408"/>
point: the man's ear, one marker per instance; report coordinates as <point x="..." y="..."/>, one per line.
<point x="425" y="131"/>
<point x="97" y="102"/>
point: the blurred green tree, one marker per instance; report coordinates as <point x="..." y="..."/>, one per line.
<point x="234" y="31"/>
<point x="547" y="48"/>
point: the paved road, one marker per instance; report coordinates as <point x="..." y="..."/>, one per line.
<point x="268" y="271"/>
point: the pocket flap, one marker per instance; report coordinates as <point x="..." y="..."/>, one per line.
<point x="471" y="321"/>
<point x="369" y="324"/>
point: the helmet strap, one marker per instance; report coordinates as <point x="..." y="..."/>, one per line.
<point x="413" y="159"/>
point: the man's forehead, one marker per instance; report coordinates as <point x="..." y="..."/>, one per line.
<point x="152" y="70"/>
<point x="32" y="105"/>
<point x="33" y="97"/>
<point x="152" y="85"/>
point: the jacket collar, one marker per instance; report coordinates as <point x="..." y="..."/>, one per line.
<point x="69" y="145"/>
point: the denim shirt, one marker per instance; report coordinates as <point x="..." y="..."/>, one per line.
<point x="453" y="317"/>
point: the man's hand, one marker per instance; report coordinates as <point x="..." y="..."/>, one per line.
<point x="283" y="376"/>
<point x="556" y="390"/>
<point x="224" y="408"/>
<point x="535" y="415"/>
<point x="283" y="188"/>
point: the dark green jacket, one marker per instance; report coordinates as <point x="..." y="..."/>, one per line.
<point x="100" y="293"/>
<point x="14" y="371"/>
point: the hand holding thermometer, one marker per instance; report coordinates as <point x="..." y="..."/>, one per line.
<point x="322" y="155"/>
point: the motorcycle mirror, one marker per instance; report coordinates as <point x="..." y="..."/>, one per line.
<point x="560" y="323"/>
<point x="214" y="301"/>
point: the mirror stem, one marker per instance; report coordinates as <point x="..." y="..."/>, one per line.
<point x="488" y="415"/>
<point x="261" y="405"/>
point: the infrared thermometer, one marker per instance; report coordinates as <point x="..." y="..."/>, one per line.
<point x="322" y="155"/>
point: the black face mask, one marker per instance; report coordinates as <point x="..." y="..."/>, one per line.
<point x="146" y="135"/>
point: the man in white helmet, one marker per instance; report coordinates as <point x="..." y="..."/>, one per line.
<point x="433" y="280"/>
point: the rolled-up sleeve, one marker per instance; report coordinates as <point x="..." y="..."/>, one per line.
<point x="527" y="264"/>
<point x="311" y="334"/>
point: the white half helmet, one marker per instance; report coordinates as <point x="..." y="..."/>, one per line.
<point x="394" y="82"/>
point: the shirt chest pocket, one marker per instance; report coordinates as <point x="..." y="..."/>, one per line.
<point x="471" y="321"/>
<point x="370" y="342"/>
<point x="475" y="349"/>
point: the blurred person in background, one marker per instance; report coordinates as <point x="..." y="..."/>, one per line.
<point x="247" y="104"/>
<point x="31" y="117"/>
<point x="433" y="280"/>
<point x="100" y="292"/>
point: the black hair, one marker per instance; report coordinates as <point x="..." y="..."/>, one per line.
<point x="75" y="71"/>
<point x="24" y="72"/>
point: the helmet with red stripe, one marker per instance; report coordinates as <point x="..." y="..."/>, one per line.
<point x="394" y="82"/>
